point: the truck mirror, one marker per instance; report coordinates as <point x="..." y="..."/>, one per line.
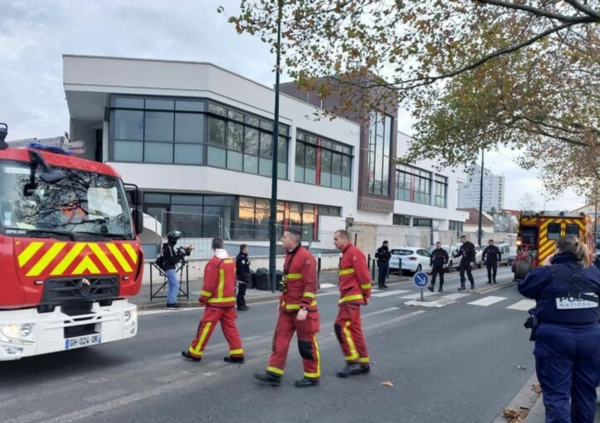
<point x="135" y="196"/>
<point x="52" y="177"/>
<point x="138" y="221"/>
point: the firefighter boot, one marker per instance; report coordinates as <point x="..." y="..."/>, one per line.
<point x="234" y="360"/>
<point x="351" y="369"/>
<point x="307" y="383"/>
<point x="187" y="355"/>
<point x="268" y="378"/>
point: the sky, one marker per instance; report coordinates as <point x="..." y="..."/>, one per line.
<point x="35" y="34"/>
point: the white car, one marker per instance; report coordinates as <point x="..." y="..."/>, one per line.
<point x="478" y="255"/>
<point x="453" y="262"/>
<point x="413" y="259"/>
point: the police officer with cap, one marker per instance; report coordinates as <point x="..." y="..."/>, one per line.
<point x="566" y="331"/>
<point x="491" y="256"/>
<point x="439" y="260"/>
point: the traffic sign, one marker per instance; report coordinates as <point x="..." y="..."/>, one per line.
<point x="480" y="234"/>
<point x="421" y="279"/>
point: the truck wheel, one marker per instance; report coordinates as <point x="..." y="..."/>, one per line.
<point x="522" y="269"/>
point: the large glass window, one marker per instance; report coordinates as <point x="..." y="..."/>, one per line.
<point x="379" y="152"/>
<point x="194" y="132"/>
<point x="440" y="191"/>
<point x="323" y="162"/>
<point x="413" y="184"/>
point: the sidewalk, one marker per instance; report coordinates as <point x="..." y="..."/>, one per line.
<point x="538" y="412"/>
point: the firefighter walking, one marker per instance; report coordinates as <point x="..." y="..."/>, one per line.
<point x="355" y="290"/>
<point x="218" y="295"/>
<point x="491" y="256"/>
<point x="297" y="313"/>
<point x="439" y="261"/>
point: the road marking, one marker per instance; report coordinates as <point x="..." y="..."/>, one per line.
<point x="487" y="301"/>
<point x="456" y="296"/>
<point x="380" y="311"/>
<point x="26" y="418"/>
<point x="154" y="312"/>
<point x="389" y="293"/>
<point x="415" y="296"/>
<point x="104" y="396"/>
<point x="523" y="305"/>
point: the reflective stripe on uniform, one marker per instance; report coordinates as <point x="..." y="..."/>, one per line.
<point x="353" y="353"/>
<point x="350" y="298"/>
<point x="318" y="373"/>
<point x="293" y="276"/>
<point x="275" y="370"/>
<point x="233" y="352"/>
<point x="221" y="282"/>
<point x="309" y="295"/>
<point x="206" y="293"/>
<point x="364" y="360"/>
<point x="296" y="306"/>
<point x="345" y="271"/>
<point x="221" y="300"/>
<point x="366" y="286"/>
<point x="197" y="350"/>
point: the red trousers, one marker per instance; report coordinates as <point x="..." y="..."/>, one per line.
<point x="348" y="330"/>
<point x="307" y="331"/>
<point x="212" y="316"/>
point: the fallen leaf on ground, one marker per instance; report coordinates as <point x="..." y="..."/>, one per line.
<point x="521" y="368"/>
<point x="514" y="416"/>
<point x="536" y="388"/>
<point x="387" y="383"/>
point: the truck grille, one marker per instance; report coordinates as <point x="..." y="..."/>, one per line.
<point x="66" y="290"/>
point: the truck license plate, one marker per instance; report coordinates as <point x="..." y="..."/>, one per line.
<point x="82" y="341"/>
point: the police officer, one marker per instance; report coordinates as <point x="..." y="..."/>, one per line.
<point x="467" y="252"/>
<point x="567" y="337"/>
<point x="383" y="257"/>
<point x="242" y="264"/>
<point x="491" y="256"/>
<point x="170" y="260"/>
<point x="439" y="260"/>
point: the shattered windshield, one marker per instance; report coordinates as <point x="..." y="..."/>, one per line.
<point x="83" y="202"/>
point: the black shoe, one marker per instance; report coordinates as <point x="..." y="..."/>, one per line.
<point x="488" y="282"/>
<point x="385" y="286"/>
<point x="233" y="360"/>
<point x="187" y="355"/>
<point x="268" y="378"/>
<point x="307" y="383"/>
<point x="495" y="282"/>
<point x="440" y="290"/>
<point x="365" y="369"/>
<point x="430" y="288"/>
<point x="462" y="288"/>
<point x="243" y="308"/>
<point x="351" y="369"/>
<point x="472" y="286"/>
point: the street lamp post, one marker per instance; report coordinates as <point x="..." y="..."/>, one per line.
<point x="480" y="200"/>
<point x="274" y="175"/>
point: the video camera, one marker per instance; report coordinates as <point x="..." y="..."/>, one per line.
<point x="185" y="251"/>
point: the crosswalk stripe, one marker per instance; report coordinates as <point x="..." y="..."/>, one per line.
<point x="484" y="302"/>
<point x="456" y="296"/>
<point x="415" y="296"/>
<point x="523" y="305"/>
<point x="389" y="293"/>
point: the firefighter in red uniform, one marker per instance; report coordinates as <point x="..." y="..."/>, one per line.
<point x="218" y="295"/>
<point x="297" y="313"/>
<point x="355" y="290"/>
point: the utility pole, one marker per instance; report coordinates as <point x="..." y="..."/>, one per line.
<point x="274" y="175"/>
<point x="480" y="201"/>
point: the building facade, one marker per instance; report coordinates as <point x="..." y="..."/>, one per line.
<point x="493" y="190"/>
<point x="199" y="141"/>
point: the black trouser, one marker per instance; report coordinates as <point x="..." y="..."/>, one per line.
<point x="241" y="300"/>
<point x="462" y="267"/>
<point x="437" y="270"/>
<point x="383" y="271"/>
<point x="492" y="267"/>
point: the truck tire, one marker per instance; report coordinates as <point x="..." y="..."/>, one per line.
<point x="522" y="269"/>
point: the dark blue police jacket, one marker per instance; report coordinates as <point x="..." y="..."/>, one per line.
<point x="564" y="291"/>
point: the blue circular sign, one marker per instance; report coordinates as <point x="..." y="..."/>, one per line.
<point x="421" y="279"/>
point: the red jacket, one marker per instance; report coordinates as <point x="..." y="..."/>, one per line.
<point x="218" y="289"/>
<point x="355" y="280"/>
<point x="299" y="281"/>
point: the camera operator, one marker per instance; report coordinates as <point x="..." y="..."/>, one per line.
<point x="170" y="259"/>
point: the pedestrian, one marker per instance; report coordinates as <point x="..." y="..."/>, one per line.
<point x="491" y="256"/>
<point x="467" y="254"/>
<point x="170" y="258"/>
<point x="439" y="261"/>
<point x="567" y="333"/>
<point x="383" y="257"/>
<point x="242" y="265"/>
<point x="355" y="290"/>
<point x="297" y="313"/>
<point x="217" y="296"/>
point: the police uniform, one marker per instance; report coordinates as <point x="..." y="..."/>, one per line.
<point x="467" y="252"/>
<point x="567" y="338"/>
<point x="439" y="259"/>
<point x="491" y="256"/>
<point x="383" y="257"/>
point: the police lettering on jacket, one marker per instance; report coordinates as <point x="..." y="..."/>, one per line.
<point x="218" y="289"/>
<point x="355" y="280"/>
<point x="299" y="281"/>
<point x="491" y="254"/>
<point x="439" y="257"/>
<point x="560" y="297"/>
<point x="383" y="254"/>
<point x="467" y="252"/>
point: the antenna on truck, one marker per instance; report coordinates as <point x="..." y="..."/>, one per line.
<point x="3" y="134"/>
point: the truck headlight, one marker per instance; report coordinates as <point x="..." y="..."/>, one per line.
<point x="26" y="330"/>
<point x="9" y="330"/>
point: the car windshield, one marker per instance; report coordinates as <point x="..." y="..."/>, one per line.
<point x="398" y="252"/>
<point x="83" y="202"/>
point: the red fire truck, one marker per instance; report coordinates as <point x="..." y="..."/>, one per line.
<point x="69" y="252"/>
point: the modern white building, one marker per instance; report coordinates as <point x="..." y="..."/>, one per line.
<point x="198" y="139"/>
<point x="493" y="190"/>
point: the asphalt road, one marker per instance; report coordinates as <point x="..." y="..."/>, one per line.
<point x="454" y="364"/>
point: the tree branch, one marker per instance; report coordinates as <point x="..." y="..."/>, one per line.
<point x="530" y="9"/>
<point x="583" y="8"/>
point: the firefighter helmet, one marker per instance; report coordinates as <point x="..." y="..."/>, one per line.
<point x="173" y="236"/>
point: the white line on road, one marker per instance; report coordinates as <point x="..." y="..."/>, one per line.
<point x="484" y="302"/>
<point x="389" y="293"/>
<point x="26" y="418"/>
<point x="456" y="296"/>
<point x="380" y="311"/>
<point x="415" y="296"/>
<point x="523" y="305"/>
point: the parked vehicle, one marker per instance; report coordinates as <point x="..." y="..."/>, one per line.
<point x="412" y="259"/>
<point x="478" y="255"/>
<point x="511" y="256"/>
<point x="505" y="251"/>
<point x="452" y="261"/>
